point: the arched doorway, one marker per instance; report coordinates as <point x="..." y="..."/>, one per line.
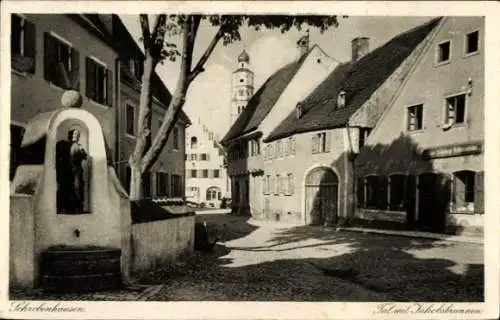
<point x="321" y="196"/>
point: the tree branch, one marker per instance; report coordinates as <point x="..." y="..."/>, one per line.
<point x="143" y="19"/>
<point x="199" y="66"/>
<point x="158" y="36"/>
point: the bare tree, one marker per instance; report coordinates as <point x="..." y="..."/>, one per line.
<point x="158" y="48"/>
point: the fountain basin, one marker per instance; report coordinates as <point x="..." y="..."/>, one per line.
<point x="80" y="269"/>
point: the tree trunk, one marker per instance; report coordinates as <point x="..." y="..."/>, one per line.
<point x="143" y="137"/>
<point x="135" y="182"/>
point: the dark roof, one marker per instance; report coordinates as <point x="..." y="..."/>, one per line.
<point x="263" y="101"/>
<point x="358" y="79"/>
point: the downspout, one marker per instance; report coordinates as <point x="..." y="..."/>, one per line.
<point x="117" y="115"/>
<point x="351" y="159"/>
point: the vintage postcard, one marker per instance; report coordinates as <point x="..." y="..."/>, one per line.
<point x="253" y="160"/>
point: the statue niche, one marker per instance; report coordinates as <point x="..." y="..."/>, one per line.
<point x="70" y="156"/>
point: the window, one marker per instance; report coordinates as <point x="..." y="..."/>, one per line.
<point x="241" y="93"/>
<point x="298" y="111"/>
<point x="210" y="136"/>
<point x="213" y="193"/>
<point x="472" y="42"/>
<point x="203" y="157"/>
<point x="194" y="142"/>
<point x="464" y="188"/>
<point x="341" y="99"/>
<point x="277" y="185"/>
<point x="272" y="184"/>
<point x="254" y="147"/>
<point x="292" y="145"/>
<point x="136" y="68"/>
<point x="321" y="142"/>
<point x="130" y="119"/>
<point x="204" y="173"/>
<point x="176" y="186"/>
<point x="397" y="188"/>
<point x="363" y="135"/>
<point x="444" y="52"/>
<point x="455" y="109"/>
<point x="161" y="184"/>
<point x="415" y="117"/>
<point x="98" y="82"/>
<point x="265" y="184"/>
<point x="175" y="137"/>
<point x="279" y="149"/>
<point x="216" y="173"/>
<point x="22" y="44"/>
<point x="60" y="60"/>
<point x="241" y="80"/>
<point x="192" y="173"/>
<point x="290" y="182"/>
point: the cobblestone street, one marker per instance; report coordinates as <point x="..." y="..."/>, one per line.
<point x="262" y="261"/>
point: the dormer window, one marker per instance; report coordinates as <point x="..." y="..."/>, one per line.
<point x="298" y="111"/>
<point x="136" y="68"/>
<point x="341" y="99"/>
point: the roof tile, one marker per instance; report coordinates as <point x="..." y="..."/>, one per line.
<point x="359" y="79"/>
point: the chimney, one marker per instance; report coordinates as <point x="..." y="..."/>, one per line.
<point x="360" y="47"/>
<point x="303" y="44"/>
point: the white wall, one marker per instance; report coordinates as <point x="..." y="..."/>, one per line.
<point x="158" y="242"/>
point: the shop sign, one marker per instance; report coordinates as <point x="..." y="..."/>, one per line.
<point x="453" y="150"/>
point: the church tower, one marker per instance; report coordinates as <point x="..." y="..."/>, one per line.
<point x="242" y="86"/>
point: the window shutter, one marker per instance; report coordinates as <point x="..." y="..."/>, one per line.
<point x="109" y="91"/>
<point x="75" y="70"/>
<point x="479" y="193"/>
<point x="314" y="144"/>
<point x="328" y="141"/>
<point x="292" y="146"/>
<point x="30" y="44"/>
<point x="48" y="56"/>
<point x="360" y="189"/>
<point x="90" y="73"/>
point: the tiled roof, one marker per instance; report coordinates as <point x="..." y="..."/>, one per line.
<point x="358" y="79"/>
<point x="263" y="101"/>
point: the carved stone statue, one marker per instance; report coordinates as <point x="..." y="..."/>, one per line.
<point x="70" y="183"/>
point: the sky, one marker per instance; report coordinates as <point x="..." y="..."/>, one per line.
<point x="208" y="98"/>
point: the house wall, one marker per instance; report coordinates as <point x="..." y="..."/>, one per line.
<point x="31" y="94"/>
<point x="159" y="242"/>
<point x="314" y="69"/>
<point x="292" y="207"/>
<point x="429" y="85"/>
<point x="215" y="162"/>
<point x="170" y="161"/>
<point x="22" y="263"/>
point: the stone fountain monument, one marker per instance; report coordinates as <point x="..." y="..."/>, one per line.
<point x="70" y="221"/>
